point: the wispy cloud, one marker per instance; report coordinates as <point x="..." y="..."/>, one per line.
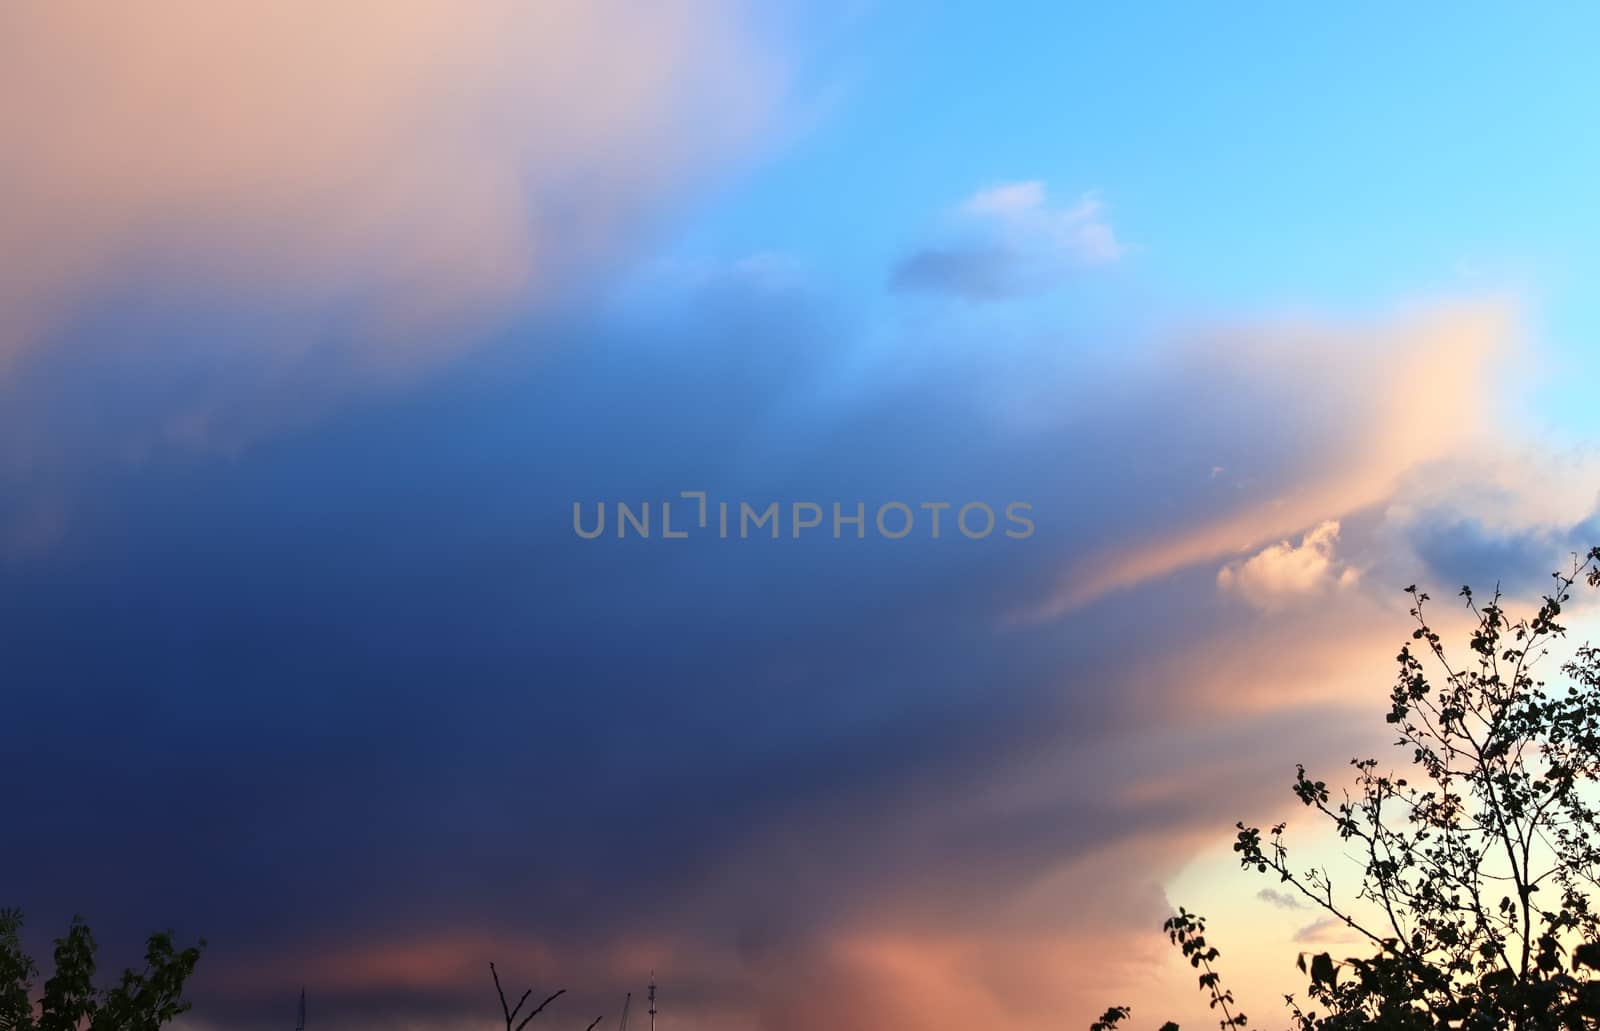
<point x="1362" y="407"/>
<point x="1327" y="931"/>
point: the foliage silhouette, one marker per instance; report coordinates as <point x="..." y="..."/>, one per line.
<point x="140" y="1001"/>
<point x="1477" y="871"/>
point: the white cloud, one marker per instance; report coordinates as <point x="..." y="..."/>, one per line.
<point x="1283" y="572"/>
<point x="1078" y="232"/>
<point x="1007" y="198"/>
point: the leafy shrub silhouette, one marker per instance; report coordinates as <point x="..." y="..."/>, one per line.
<point x="141" y="1001"/>
<point x="1477" y="870"/>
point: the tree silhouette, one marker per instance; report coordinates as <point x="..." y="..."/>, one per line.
<point x="1476" y="869"/>
<point x="140" y="1001"/>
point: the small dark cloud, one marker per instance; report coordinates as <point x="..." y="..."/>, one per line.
<point x="1009" y="240"/>
<point x="978" y="273"/>
<point x="1280" y="900"/>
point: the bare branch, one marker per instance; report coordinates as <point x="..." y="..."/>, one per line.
<point x="499" y="991"/>
<point x="540" y="1008"/>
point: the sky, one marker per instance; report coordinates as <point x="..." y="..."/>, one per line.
<point x="325" y="335"/>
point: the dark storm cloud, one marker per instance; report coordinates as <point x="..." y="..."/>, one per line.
<point x="360" y="695"/>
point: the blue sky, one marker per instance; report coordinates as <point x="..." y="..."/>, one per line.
<point x="1257" y="160"/>
<point x="1265" y="315"/>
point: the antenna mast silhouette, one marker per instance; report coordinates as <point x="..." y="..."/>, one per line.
<point x="300" y="1022"/>
<point x="627" y="1000"/>
<point x="652" y="1000"/>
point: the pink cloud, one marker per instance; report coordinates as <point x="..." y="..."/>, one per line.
<point x="1382" y="401"/>
<point x="426" y="166"/>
